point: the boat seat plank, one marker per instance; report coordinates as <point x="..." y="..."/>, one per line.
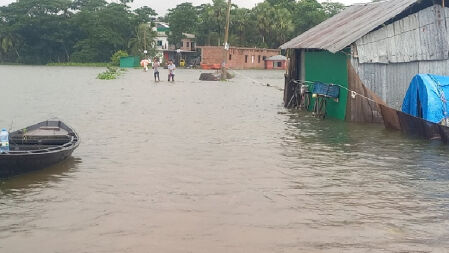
<point x="47" y="131"/>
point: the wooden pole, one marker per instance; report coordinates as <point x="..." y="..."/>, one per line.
<point x="226" y="48"/>
<point x="442" y="3"/>
<point x="145" y="40"/>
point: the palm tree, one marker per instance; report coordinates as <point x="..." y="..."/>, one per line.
<point x="144" y="40"/>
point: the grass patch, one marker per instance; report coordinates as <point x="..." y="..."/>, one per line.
<point x="80" y="64"/>
<point x="110" y="74"/>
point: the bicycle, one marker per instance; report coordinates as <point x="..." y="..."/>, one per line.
<point x="296" y="96"/>
<point x="319" y="107"/>
<point x="304" y="97"/>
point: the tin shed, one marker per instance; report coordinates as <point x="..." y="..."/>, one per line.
<point x="380" y="47"/>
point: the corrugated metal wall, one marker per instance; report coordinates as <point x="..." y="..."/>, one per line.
<point x="419" y="37"/>
<point x="387" y="59"/>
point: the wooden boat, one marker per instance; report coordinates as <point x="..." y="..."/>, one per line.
<point x="37" y="147"/>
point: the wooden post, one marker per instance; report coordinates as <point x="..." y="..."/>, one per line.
<point x="226" y="48"/>
<point x="442" y="3"/>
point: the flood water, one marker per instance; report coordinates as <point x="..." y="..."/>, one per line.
<point x="213" y="167"/>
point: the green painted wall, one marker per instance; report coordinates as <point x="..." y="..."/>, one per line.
<point x="327" y="67"/>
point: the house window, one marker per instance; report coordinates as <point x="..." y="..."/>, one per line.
<point x="188" y="44"/>
<point x="279" y="64"/>
<point x="252" y="58"/>
<point x="246" y="58"/>
<point x="258" y="59"/>
<point x="230" y="56"/>
<point x="159" y="43"/>
<point x="264" y="58"/>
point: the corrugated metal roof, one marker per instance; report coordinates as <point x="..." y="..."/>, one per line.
<point x="343" y="29"/>
<point x="276" y="58"/>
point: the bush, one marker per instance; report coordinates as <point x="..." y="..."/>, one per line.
<point x="115" y="58"/>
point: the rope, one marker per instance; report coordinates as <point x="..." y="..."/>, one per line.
<point x="353" y="93"/>
<point x="254" y="80"/>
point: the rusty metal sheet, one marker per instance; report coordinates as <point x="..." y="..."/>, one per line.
<point x="351" y="24"/>
<point x="361" y="109"/>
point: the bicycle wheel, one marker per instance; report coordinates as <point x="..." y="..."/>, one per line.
<point x="322" y="108"/>
<point x="306" y="103"/>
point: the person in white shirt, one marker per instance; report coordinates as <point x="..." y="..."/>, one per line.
<point x="171" y="70"/>
<point x="156" y="70"/>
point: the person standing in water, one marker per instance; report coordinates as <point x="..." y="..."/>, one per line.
<point x="156" y="66"/>
<point x="171" y="70"/>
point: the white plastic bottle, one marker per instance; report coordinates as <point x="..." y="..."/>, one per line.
<point x="4" y="141"/>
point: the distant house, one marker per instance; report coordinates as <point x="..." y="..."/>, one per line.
<point x="237" y="57"/>
<point x="276" y="62"/>
<point x="162" y="38"/>
<point x="188" y="42"/>
<point x="373" y="49"/>
<point x="167" y="51"/>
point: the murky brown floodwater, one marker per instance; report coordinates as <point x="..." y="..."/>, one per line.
<point x="213" y="167"/>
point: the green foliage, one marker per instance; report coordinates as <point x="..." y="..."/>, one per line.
<point x="83" y="31"/>
<point x="79" y="64"/>
<point x="182" y="19"/>
<point x="109" y="74"/>
<point x="269" y="24"/>
<point x="42" y="31"/>
<point x="212" y="21"/>
<point x="115" y="58"/>
<point x="144" y="39"/>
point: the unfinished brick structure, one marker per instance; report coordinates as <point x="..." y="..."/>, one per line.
<point x="237" y="57"/>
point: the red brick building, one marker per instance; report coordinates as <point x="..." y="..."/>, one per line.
<point x="276" y="62"/>
<point x="237" y="57"/>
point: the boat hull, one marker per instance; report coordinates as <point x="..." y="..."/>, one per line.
<point x="410" y="125"/>
<point x="20" y="164"/>
<point x="38" y="146"/>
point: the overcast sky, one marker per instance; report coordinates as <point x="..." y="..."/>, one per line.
<point x="161" y="6"/>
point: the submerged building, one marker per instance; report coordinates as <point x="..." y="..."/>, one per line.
<point x="372" y="50"/>
<point x="237" y="57"/>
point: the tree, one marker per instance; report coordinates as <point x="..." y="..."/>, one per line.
<point x="243" y="28"/>
<point x="332" y="8"/>
<point x="182" y="19"/>
<point x="264" y="15"/>
<point x="307" y="13"/>
<point x="104" y="30"/>
<point x="145" y="14"/>
<point x="143" y="40"/>
<point x="38" y="30"/>
<point x="41" y="31"/>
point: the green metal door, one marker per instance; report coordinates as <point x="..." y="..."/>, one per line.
<point x="327" y="67"/>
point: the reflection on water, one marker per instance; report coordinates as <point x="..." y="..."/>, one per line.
<point x="41" y="178"/>
<point x="214" y="167"/>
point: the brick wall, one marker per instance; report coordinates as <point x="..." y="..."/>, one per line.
<point x="275" y="64"/>
<point x="238" y="58"/>
<point x="187" y="45"/>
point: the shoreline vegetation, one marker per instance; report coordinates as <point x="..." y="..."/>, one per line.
<point x="80" y="64"/>
<point x="111" y="73"/>
<point x="89" y="31"/>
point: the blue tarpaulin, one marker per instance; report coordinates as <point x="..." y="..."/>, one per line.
<point x="426" y="97"/>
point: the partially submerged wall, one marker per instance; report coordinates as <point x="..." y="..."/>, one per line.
<point x="327" y="67"/>
<point x="237" y="57"/>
